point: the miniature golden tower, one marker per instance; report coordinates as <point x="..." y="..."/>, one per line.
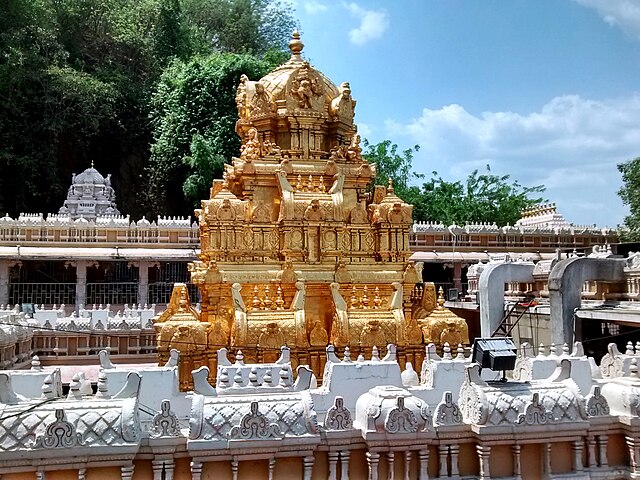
<point x="293" y="231"/>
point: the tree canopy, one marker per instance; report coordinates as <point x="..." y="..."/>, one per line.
<point x="78" y="80"/>
<point x="630" y="194"/>
<point x="483" y="197"/>
<point x="193" y="113"/>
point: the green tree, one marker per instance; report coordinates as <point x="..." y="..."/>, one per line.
<point x="483" y="197"/>
<point x="630" y="194"/>
<point x="77" y="77"/>
<point x="193" y="113"/>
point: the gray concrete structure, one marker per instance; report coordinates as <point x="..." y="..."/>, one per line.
<point x="491" y="291"/>
<point x="565" y="287"/>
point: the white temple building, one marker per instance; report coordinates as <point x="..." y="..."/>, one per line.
<point x="89" y="196"/>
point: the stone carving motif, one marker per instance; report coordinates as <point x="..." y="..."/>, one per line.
<point x="400" y="419"/>
<point x="255" y="426"/>
<point x="251" y="149"/>
<point x="261" y="213"/>
<point x="260" y="102"/>
<point x="358" y="215"/>
<point x="372" y="334"/>
<point x="447" y="412"/>
<point x="318" y="336"/>
<point x="633" y="261"/>
<point x="307" y="89"/>
<point x="596" y="403"/>
<point x="241" y="97"/>
<point x="165" y="423"/>
<point x="338" y="416"/>
<point x="535" y="413"/>
<point x="343" y="105"/>
<point x="473" y="403"/>
<point x="314" y="212"/>
<point x="271" y="337"/>
<point x="59" y="434"/>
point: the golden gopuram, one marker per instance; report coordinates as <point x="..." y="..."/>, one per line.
<point x="297" y="248"/>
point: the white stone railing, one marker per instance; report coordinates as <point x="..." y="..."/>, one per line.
<point x="34" y="229"/>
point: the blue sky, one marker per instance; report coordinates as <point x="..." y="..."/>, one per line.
<point x="547" y="91"/>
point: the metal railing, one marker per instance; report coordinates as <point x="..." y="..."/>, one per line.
<point x="160" y="292"/>
<point x="112" y="293"/>
<point x="42" y="293"/>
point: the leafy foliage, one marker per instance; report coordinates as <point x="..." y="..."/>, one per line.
<point x="483" y="197"/>
<point x="630" y="194"/>
<point x="193" y="113"/>
<point x="77" y="79"/>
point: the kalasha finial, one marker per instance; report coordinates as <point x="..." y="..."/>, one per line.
<point x="390" y="185"/>
<point x="440" y="298"/>
<point x="295" y="44"/>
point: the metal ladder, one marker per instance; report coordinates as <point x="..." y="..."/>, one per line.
<point x="506" y="324"/>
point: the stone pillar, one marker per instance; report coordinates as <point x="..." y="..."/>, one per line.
<point x="157" y="466"/>
<point x="272" y="467"/>
<point x="5" y="266"/>
<point x="443" y="451"/>
<point x="391" y="456"/>
<point x="457" y="276"/>
<point x="333" y="461"/>
<point x="308" y="467"/>
<point x="515" y="449"/>
<point x="591" y="443"/>
<point x="168" y="469"/>
<point x="82" y="474"/>
<point x="576" y="446"/>
<point x="162" y="467"/>
<point x="407" y="464"/>
<point x="143" y="282"/>
<point x="423" y="456"/>
<point x="234" y="468"/>
<point x="484" y="451"/>
<point x="126" y="471"/>
<point x="372" y="459"/>
<point x="196" y="470"/>
<point x="546" y="459"/>
<point x="344" y="464"/>
<point x="81" y="284"/>
<point x="455" y="450"/>
<point x="634" y="454"/>
<point x="602" y="447"/>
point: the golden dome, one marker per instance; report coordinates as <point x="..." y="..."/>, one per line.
<point x="443" y="326"/>
<point x="275" y="83"/>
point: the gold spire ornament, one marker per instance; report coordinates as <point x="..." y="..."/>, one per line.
<point x="273" y="220"/>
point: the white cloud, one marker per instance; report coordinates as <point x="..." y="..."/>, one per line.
<point x="365" y="130"/>
<point x="373" y="23"/>
<point x="572" y="145"/>
<point x="624" y="14"/>
<point x="312" y="7"/>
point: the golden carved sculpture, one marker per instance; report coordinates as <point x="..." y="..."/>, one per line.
<point x="179" y="328"/>
<point x="443" y="326"/>
<point x="293" y="223"/>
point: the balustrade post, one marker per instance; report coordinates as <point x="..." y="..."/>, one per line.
<point x="602" y="447"/>
<point x="143" y="282"/>
<point x="344" y="464"/>
<point x="372" y="459"/>
<point x="423" y="455"/>
<point x="81" y="284"/>
<point x="4" y="282"/>
<point x="333" y="461"/>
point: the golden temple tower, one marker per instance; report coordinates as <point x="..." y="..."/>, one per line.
<point x="297" y="249"/>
